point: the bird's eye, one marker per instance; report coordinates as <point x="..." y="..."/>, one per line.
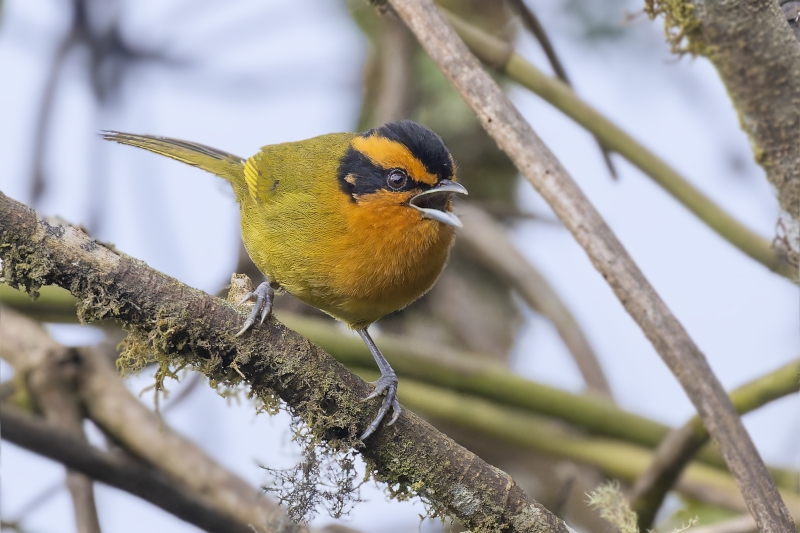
<point x="396" y="179"/>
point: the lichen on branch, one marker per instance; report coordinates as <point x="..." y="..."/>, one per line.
<point x="757" y="56"/>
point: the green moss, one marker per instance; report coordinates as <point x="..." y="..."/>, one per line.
<point x="24" y="268"/>
<point x="681" y="25"/>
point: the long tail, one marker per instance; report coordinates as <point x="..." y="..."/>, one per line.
<point x="223" y="164"/>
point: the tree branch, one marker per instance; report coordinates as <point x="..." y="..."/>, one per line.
<point x="516" y="137"/>
<point x="49" y="373"/>
<point x="758" y="59"/>
<point x="531" y="22"/>
<point x="617" y="459"/>
<point x="115" y="470"/>
<point x="453" y="369"/>
<point x="185" y="326"/>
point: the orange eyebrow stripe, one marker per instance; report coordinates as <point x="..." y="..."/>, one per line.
<point x="387" y="154"/>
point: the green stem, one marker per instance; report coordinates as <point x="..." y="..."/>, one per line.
<point x="501" y="56"/>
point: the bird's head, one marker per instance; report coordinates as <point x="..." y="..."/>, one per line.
<point x="401" y="164"/>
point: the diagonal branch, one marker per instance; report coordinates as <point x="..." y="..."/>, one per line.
<point x="539" y="166"/>
<point x="185" y="326"/>
<point x="48" y="372"/>
<point x="448" y="368"/>
<point x="96" y="389"/>
<point x="617" y="459"/>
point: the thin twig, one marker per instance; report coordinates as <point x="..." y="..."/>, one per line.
<point x="501" y="56"/>
<point x="531" y="22"/>
<point x="116" y="470"/>
<point x="678" y="448"/>
<point x="539" y="166"/>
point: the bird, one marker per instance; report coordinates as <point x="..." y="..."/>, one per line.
<point x="358" y="225"/>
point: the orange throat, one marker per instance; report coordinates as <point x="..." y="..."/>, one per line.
<point x="390" y="256"/>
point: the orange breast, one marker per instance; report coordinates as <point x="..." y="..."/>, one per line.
<point x="389" y="255"/>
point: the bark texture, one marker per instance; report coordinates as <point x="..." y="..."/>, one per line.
<point x="753" y="46"/>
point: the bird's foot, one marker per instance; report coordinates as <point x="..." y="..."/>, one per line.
<point x="386" y="383"/>
<point x="263" y="296"/>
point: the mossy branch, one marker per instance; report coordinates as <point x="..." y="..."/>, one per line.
<point x="187" y="327"/>
<point x="501" y="56"/>
<point x="752" y="46"/>
<point x="465" y="372"/>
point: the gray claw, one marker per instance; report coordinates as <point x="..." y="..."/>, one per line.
<point x="397" y="410"/>
<point x="263" y="296"/>
<point x="246" y="326"/>
<point x="387" y="383"/>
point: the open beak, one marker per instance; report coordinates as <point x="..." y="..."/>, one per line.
<point x="433" y="202"/>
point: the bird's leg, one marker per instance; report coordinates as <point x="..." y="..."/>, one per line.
<point x="263" y="296"/>
<point x="387" y="382"/>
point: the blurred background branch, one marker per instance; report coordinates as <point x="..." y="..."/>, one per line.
<point x="532" y="24"/>
<point x="168" y="470"/>
<point x="115" y="470"/>
<point x="681" y="444"/>
<point x="476" y="375"/>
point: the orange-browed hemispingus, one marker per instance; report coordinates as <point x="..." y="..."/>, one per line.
<point x="357" y="225"/>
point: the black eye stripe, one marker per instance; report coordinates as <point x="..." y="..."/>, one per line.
<point x="357" y="176"/>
